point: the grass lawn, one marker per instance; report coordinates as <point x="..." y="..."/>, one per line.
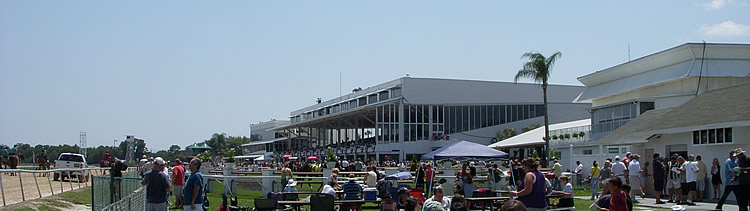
<point x="80" y="196"/>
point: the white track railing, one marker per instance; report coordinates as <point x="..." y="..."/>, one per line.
<point x="52" y="171"/>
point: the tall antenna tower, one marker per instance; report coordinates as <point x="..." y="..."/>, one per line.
<point x="130" y="140"/>
<point x="82" y="145"/>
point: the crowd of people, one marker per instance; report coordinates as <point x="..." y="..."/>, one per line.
<point x="682" y="179"/>
<point x="621" y="179"/>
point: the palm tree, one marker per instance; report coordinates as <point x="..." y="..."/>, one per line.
<point x="538" y="68"/>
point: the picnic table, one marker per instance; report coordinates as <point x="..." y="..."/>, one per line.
<point x="294" y="204"/>
<point x="484" y="200"/>
<point x="297" y="204"/>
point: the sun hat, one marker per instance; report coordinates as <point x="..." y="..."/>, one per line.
<point x="351" y="177"/>
<point x="291" y="183"/>
<point x="159" y="161"/>
<point x="738" y="151"/>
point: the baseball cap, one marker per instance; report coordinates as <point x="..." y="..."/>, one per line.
<point x="159" y="161"/>
<point x="403" y="190"/>
<point x="617" y="157"/>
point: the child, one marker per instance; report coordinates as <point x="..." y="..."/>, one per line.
<point x="626" y="189"/>
<point x="567" y="199"/>
<point x="618" y="201"/>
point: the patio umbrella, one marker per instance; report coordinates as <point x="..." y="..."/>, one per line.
<point x="313" y="158"/>
<point x="292" y="158"/>
<point x="286" y="156"/>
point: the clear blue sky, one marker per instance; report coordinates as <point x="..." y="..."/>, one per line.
<point x="175" y="72"/>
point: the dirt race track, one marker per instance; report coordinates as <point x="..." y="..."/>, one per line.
<point x="11" y="186"/>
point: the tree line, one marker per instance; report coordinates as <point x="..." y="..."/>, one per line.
<point x="220" y="143"/>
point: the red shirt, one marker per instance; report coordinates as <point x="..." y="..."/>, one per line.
<point x="178" y="175"/>
<point x="618" y="202"/>
<point x="428" y="173"/>
<point x="106" y="156"/>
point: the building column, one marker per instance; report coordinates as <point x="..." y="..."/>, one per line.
<point x="402" y="154"/>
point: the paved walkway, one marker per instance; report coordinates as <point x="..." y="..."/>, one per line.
<point x="651" y="203"/>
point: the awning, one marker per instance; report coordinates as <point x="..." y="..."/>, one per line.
<point x="536" y="136"/>
<point x="465" y="150"/>
<point x="198" y="146"/>
<point x="247" y="157"/>
<point x="264" y="142"/>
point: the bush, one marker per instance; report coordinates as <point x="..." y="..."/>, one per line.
<point x="330" y="156"/>
<point x="567" y="136"/>
<point x="554" y="137"/>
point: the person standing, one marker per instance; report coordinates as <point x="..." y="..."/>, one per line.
<point x="742" y="175"/>
<point x="618" y="169"/>
<point x="557" y="170"/>
<point x="606" y="171"/>
<point x="286" y="174"/>
<point x="634" y="173"/>
<point x="730" y="186"/>
<point x="716" y="178"/>
<point x="673" y="179"/>
<point x="659" y="177"/>
<point x="700" y="178"/>
<point x="178" y="182"/>
<point x="157" y="186"/>
<point x="579" y="173"/>
<point x="429" y="177"/>
<point x="194" y="187"/>
<point x="532" y="187"/>
<point x="691" y="174"/>
<point x="595" y="171"/>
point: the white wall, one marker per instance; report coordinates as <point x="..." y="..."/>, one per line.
<point x="741" y="137"/>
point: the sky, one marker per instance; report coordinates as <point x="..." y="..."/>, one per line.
<point x="175" y="72"/>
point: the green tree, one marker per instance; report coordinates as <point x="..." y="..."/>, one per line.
<point x="218" y="143"/>
<point x="174" y="148"/>
<point x="506" y="133"/>
<point x="538" y="68"/>
<point x="235" y="143"/>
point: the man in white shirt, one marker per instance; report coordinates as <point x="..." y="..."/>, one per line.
<point x="579" y="173"/>
<point x="618" y="169"/>
<point x="691" y="175"/>
<point x="634" y="174"/>
<point x="345" y="165"/>
<point x="438" y="197"/>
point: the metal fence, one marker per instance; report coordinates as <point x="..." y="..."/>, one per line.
<point x="134" y="201"/>
<point x="104" y="195"/>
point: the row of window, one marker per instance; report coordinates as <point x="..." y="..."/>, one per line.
<point x="361" y="101"/>
<point x="465" y="118"/>
<point x="431" y="122"/>
<point x="712" y="136"/>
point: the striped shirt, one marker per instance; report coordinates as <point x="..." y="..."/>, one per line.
<point x="352" y="189"/>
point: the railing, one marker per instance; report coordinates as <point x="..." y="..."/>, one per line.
<point x="67" y="172"/>
<point x="106" y="190"/>
<point x="134" y="201"/>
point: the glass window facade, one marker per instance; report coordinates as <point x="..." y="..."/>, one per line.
<point x="465" y="118"/>
<point x="605" y="120"/>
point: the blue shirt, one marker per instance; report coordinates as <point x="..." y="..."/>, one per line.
<point x="352" y="189"/>
<point x="195" y="180"/>
<point x="729" y="165"/>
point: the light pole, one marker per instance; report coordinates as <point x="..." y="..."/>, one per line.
<point x="114" y="145"/>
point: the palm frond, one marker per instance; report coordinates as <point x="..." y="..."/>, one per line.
<point x="550" y="61"/>
<point x="526" y="73"/>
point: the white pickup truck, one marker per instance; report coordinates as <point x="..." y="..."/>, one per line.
<point x="68" y="161"/>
